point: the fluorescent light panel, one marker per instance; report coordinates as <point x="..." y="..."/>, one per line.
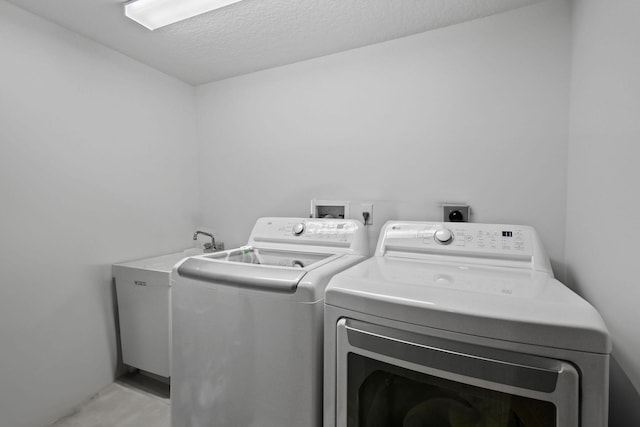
<point x="159" y="13"/>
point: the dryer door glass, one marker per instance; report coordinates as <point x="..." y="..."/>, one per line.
<point x="381" y="394"/>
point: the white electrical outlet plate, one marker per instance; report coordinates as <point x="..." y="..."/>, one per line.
<point x="359" y="208"/>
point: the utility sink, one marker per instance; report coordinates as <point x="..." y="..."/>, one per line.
<point x="142" y="288"/>
<point x="160" y="263"/>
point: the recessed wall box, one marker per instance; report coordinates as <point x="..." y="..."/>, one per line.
<point x="329" y="209"/>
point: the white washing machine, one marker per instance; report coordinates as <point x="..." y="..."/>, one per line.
<point x="461" y="324"/>
<point x="248" y="325"/>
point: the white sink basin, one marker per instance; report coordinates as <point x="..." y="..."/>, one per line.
<point x="160" y="263"/>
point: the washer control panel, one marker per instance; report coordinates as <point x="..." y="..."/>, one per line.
<point x="311" y="231"/>
<point x="458" y="238"/>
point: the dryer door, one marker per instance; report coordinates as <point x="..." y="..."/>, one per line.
<point x="388" y="377"/>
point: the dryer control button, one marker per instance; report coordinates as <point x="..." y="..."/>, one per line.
<point x="443" y="236"/>
<point x="298" y="229"/>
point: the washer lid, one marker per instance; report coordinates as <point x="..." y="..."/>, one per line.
<point x="519" y="305"/>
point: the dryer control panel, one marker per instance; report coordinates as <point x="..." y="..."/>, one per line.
<point x="485" y="243"/>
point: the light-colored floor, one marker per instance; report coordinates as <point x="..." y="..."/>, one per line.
<point x="133" y="401"/>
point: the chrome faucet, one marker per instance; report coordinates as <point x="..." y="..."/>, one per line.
<point x="208" y="247"/>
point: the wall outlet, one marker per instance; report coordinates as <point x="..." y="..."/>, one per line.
<point x="363" y="212"/>
<point x="455" y="212"/>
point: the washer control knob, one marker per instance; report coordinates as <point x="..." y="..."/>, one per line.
<point x="298" y="229"/>
<point x="443" y="236"/>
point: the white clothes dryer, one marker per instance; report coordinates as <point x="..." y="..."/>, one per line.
<point x="460" y="324"/>
<point x="248" y="325"/>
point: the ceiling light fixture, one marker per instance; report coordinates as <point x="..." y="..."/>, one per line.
<point x="159" y="13"/>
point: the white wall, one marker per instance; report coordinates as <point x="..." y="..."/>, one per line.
<point x="475" y="112"/>
<point x="97" y="165"/>
<point x="603" y="182"/>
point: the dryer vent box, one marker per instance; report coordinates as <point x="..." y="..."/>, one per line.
<point x="329" y="209"/>
<point x="455" y="213"/>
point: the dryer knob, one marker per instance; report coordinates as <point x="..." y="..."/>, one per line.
<point x="443" y="236"/>
<point x="298" y="229"/>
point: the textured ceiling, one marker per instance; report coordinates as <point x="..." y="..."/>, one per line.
<point x="258" y="34"/>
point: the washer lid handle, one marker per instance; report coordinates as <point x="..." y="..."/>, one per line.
<point x="242" y="276"/>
